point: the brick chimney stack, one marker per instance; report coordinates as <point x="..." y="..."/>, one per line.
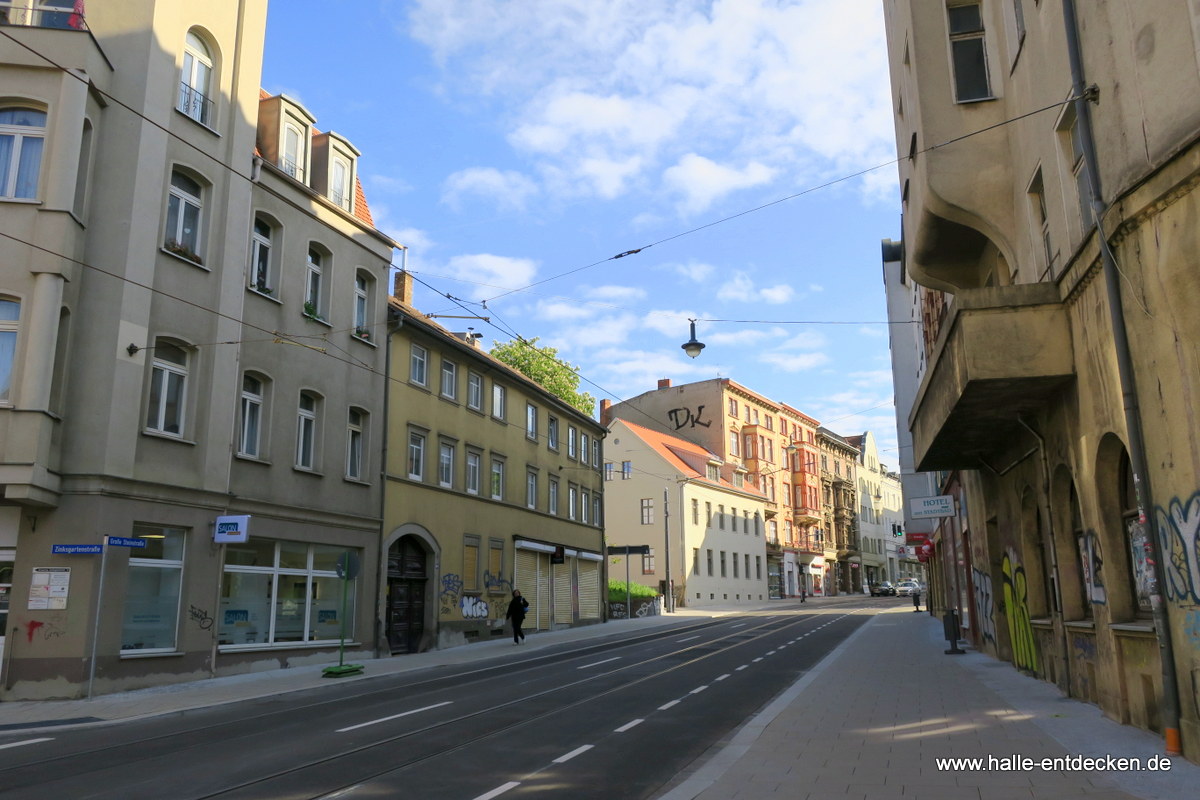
<point x="605" y="411"/>
<point x="664" y="383"/>
<point x="402" y="288"/>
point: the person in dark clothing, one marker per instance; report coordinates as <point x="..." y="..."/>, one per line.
<point x="916" y="595"/>
<point x="516" y="612"/>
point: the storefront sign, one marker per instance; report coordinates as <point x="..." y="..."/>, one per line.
<point x="931" y="507"/>
<point x="232" y="529"/>
<point x="49" y="588"/>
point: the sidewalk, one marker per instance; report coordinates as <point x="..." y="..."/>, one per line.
<point x="25" y="716"/>
<point x="868" y="722"/>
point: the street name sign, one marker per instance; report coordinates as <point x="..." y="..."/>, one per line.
<point x="76" y="549"/>
<point x="124" y="541"/>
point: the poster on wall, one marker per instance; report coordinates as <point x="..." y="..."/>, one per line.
<point x="49" y="588"/>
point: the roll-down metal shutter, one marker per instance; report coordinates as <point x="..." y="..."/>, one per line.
<point x="589" y="589"/>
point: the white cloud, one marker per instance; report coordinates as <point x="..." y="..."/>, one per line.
<point x="492" y="270"/>
<point x="672" y="323"/>
<point x="748" y="336"/>
<point x="558" y="311"/>
<point x="702" y="181"/>
<point x="741" y="288"/>
<point x="386" y="184"/>
<point x="627" y="373"/>
<point x="415" y="239"/>
<point x="616" y="294"/>
<point x="696" y="271"/>
<point x="507" y="190"/>
<point x="794" y="362"/>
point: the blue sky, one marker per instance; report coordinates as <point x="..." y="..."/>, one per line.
<point x="507" y="142"/>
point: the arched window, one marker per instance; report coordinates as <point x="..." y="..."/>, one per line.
<point x="362" y="305"/>
<point x="22" y="134"/>
<point x="314" y="284"/>
<point x="184" y="206"/>
<point x="262" y="258"/>
<point x="195" y="81"/>
<point x="356" y="426"/>
<point x="168" y="389"/>
<point x="10" y="316"/>
<point x="1136" y="534"/>
<point x="306" y="431"/>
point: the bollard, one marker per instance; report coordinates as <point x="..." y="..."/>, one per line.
<point x="950" y="624"/>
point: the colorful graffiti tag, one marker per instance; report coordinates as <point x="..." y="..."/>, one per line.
<point x="1179" y="533"/>
<point x="1016" y="607"/>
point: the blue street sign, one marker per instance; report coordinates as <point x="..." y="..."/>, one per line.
<point x="121" y="541"/>
<point x="77" y="549"/>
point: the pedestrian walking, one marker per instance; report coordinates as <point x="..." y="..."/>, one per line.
<point x="916" y="595"/>
<point x="516" y="612"/>
<point x="803" y="593"/>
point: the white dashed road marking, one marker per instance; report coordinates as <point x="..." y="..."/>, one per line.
<point x="393" y="716"/>
<point x="577" y="751"/>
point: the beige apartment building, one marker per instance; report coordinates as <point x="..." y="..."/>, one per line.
<point x="1050" y="213"/>
<point x="493" y="484"/>
<point x="191" y="391"/>
<point x="699" y="516"/>
<point x="839" y="504"/>
<point x="773" y="449"/>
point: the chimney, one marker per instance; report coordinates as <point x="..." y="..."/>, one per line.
<point x="664" y="383"/>
<point x="402" y="287"/>
<point x="605" y="411"/>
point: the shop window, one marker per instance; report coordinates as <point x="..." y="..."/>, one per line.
<point x="150" y="613"/>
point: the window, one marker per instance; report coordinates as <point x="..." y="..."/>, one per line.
<point x="182" y="235"/>
<point x="295" y="138"/>
<point x="150" y="618"/>
<point x="708" y="514"/>
<point x="1069" y="126"/>
<point x="584" y="502"/>
<point x="572" y="436"/>
<point x="306" y="431"/>
<point x="417" y="364"/>
<point x="473" y="460"/>
<point x="647" y="511"/>
<point x="356" y="422"/>
<point x="362" y="306"/>
<point x="712" y="472"/>
<point x="531" y="421"/>
<point x="584" y="446"/>
<point x="314" y="290"/>
<point x="572" y="501"/>
<point x="733" y="443"/>
<point x="168" y="389"/>
<point x="195" y="81"/>
<point x="475" y="391"/>
<point x="416" y="456"/>
<point x="733" y="407"/>
<point x="22" y="135"/>
<point x="626" y="470"/>
<point x="531" y="489"/>
<point x="648" y="562"/>
<point x="723" y="573"/>
<point x="470" y="567"/>
<point x="758" y="567"/>
<point x="608" y="470"/>
<point x="695" y="512"/>
<point x="709" y="560"/>
<point x="262" y="278"/>
<point x="735" y="565"/>
<point x="747" y="571"/>
<point x="339" y="191"/>
<point x="495" y="567"/>
<point x="552" y="433"/>
<point x="281" y="591"/>
<point x="497" y="479"/>
<point x="596" y="509"/>
<point x="10" y="316"/>
<point x="721" y="517"/>
<point x="251" y="416"/>
<point x="552" y="498"/>
<point x="733" y="516"/>
<point x="499" y="398"/>
<point x="446" y="464"/>
<point x="595" y="453"/>
<point x="739" y="479"/>
<point x="695" y="560"/>
<point x="449" y="380"/>
<point x="968" y="52"/>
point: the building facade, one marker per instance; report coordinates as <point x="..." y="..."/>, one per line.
<point x="880" y="520"/>
<point x="493" y="484"/>
<point x="703" y="525"/>
<point x="158" y="367"/>
<point x="774" y="448"/>
<point x="839" y="493"/>
<point x="1061" y="345"/>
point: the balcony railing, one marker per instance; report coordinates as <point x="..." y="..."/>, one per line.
<point x="292" y="168"/>
<point x="194" y="104"/>
<point x="58" y="14"/>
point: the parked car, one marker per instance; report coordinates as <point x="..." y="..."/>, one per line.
<point x="907" y="588"/>
<point x="882" y="589"/>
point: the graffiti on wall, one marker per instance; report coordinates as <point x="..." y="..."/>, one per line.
<point x="1179" y="532"/>
<point x="1092" y="564"/>
<point x="684" y="418"/>
<point x="474" y="608"/>
<point x="1191" y="627"/>
<point x="1016" y="607"/>
<point x="452" y="586"/>
<point x="496" y="583"/>
<point x="984" y="605"/>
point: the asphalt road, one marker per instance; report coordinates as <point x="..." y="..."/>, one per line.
<point x="620" y="716"/>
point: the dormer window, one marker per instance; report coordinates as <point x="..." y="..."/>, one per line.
<point x="339" y="191"/>
<point x="293" y="159"/>
<point x="333" y="169"/>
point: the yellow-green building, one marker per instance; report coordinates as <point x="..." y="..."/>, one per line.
<point x="492" y="484"/>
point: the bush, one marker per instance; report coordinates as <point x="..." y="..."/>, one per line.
<point x="616" y="591"/>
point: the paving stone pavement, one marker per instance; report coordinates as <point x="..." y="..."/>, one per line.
<point x="872" y="719"/>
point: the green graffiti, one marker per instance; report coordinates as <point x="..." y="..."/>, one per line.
<point x="1016" y="607"/>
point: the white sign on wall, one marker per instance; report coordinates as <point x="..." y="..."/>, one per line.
<point x="232" y="529"/>
<point x="930" y="507"/>
<point x="49" y="588"/>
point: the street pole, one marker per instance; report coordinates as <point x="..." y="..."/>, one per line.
<point x="669" y="605"/>
<point x="96" y="624"/>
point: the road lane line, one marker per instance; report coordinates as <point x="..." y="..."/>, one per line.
<point x="742" y="667"/>
<point x="758" y="659"/>
<point x="27" y="741"/>
<point x="598" y="663"/>
<point x="698" y="690"/>
<point x="499" y="790"/>
<point x="721" y="677"/>
<point x="687" y="639"/>
<point x="740" y="624"/>
<point x="393" y="716"/>
<point x="577" y="751"/>
<point x="629" y="725"/>
<point x="668" y="705"/>
<point x="771" y="652"/>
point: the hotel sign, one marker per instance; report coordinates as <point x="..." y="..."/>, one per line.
<point x="931" y="507"/>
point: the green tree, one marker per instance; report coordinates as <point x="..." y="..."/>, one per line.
<point x="542" y="366"/>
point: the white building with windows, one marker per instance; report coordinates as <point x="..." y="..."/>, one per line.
<point x="191" y="293"/>
<point x="712" y="543"/>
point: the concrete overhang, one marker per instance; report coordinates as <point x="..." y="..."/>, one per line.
<point x="1003" y="352"/>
